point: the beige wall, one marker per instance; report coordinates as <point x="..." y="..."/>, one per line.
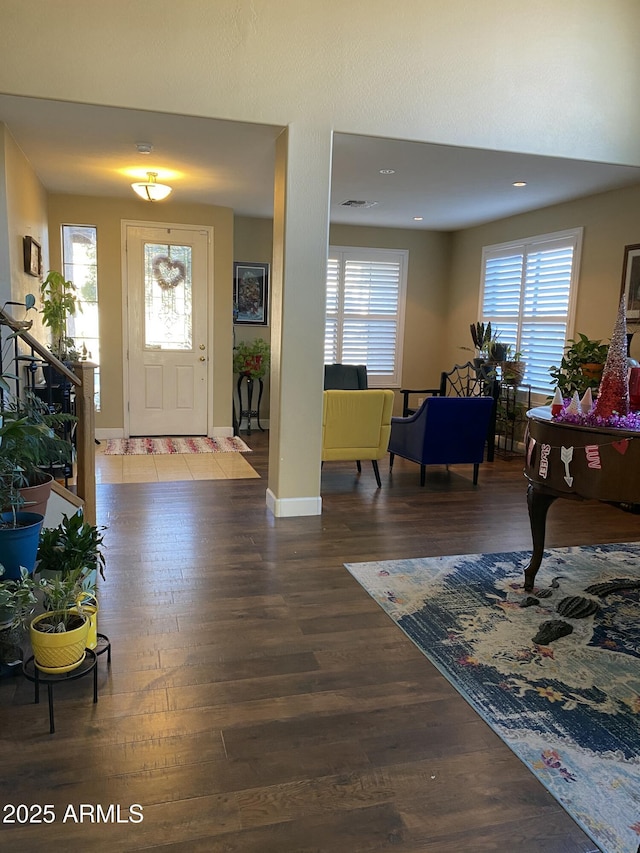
<point x="427" y="279"/>
<point x="253" y="243"/>
<point x="426" y="309"/>
<point x="26" y="215"/>
<point x="610" y="222"/>
<point x="443" y="274"/>
<point x="542" y="77"/>
<point x="443" y="285"/>
<point x="107" y="215"/>
<point x="487" y="74"/>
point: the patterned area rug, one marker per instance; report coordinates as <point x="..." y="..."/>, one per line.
<point x="152" y="446"/>
<point x="569" y="708"/>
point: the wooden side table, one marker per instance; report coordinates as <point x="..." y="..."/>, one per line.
<point x="566" y="460"/>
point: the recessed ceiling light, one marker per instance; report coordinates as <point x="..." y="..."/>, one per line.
<point x="519" y="183"/>
<point x="418" y="218"/>
<point x="387" y="171"/>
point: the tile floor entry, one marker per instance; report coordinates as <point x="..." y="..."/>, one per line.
<point x="166" y="468"/>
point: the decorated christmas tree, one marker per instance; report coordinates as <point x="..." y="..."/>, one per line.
<point x="613" y="395"/>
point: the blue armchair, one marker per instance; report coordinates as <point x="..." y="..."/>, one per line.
<point x="444" y="431"/>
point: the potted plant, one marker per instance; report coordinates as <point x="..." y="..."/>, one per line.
<point x="71" y="546"/>
<point x="581" y="366"/>
<point x="29" y="445"/>
<point x="17" y="602"/>
<point x="70" y="558"/>
<point x="513" y="367"/>
<point x="251" y="358"/>
<point x="59" y="634"/>
<point x="19" y="529"/>
<point x="480" y="335"/>
<point x="485" y="343"/>
<point x="59" y="302"/>
<point x="17" y="599"/>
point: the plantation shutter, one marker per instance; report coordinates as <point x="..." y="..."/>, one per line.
<point x="333" y="304"/>
<point x="365" y="311"/>
<point x="527" y="297"/>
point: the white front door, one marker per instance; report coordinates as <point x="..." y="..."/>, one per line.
<point x="167" y="275"/>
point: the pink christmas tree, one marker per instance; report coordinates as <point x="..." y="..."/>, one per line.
<point x="613" y="395"/>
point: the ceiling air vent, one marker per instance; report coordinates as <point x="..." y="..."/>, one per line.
<point x="355" y="203"/>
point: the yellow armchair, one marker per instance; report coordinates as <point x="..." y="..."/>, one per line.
<point x="356" y="425"/>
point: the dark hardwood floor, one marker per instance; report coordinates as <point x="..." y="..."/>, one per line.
<point x="260" y="702"/>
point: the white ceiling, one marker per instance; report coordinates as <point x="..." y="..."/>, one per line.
<point x="91" y="150"/>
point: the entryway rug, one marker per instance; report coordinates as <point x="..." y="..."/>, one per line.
<point x="152" y="446"/>
<point x="569" y="708"/>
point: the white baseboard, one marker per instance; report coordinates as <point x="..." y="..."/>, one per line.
<point x="222" y="432"/>
<point x="115" y="432"/>
<point x="242" y="427"/>
<point x="118" y="432"/>
<point x="293" y="507"/>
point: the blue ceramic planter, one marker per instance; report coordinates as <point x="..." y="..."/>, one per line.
<point x="19" y="545"/>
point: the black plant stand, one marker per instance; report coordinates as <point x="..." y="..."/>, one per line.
<point x="89" y="664"/>
<point x="250" y="412"/>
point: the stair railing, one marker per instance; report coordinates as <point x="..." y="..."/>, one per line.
<point x="80" y="376"/>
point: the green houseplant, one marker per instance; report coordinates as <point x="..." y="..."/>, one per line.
<point x="70" y="557"/>
<point x="486" y="345"/>
<point x="252" y="358"/>
<point x="17" y="599"/>
<point x="74" y="545"/>
<point x="30" y="443"/>
<point x="17" y="602"/>
<point x="513" y="367"/>
<point x="59" y="302"/>
<point x="581" y="366"/>
<point x="19" y="529"/>
<point x="30" y="435"/>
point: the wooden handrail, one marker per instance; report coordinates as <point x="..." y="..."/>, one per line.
<point x="19" y="327"/>
<point x="81" y="377"/>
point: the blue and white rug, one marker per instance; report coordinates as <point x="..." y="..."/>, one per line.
<point x="570" y="709"/>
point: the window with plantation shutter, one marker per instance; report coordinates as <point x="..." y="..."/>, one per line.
<point x="528" y="295"/>
<point x="365" y="311"/>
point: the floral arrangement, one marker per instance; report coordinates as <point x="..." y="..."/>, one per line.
<point x="252" y="358"/>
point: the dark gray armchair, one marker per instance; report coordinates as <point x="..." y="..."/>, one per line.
<point x="345" y="377"/>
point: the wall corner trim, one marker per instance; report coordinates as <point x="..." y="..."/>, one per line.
<point x="292" y="507"/>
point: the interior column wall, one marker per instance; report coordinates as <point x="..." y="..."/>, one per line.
<point x="301" y="228"/>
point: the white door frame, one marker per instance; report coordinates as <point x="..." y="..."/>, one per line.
<point x="202" y="229"/>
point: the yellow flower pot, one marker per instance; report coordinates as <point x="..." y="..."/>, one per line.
<point x="58" y="652"/>
<point x="89" y="605"/>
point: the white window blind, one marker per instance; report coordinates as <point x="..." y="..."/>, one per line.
<point x="365" y="311"/>
<point x="528" y="294"/>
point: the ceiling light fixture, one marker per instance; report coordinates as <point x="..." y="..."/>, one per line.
<point x="418" y="218"/>
<point x="519" y="183"/>
<point x="387" y="171"/>
<point x="150" y="190"/>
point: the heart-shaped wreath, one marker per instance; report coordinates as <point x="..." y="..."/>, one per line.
<point x="168" y="273"/>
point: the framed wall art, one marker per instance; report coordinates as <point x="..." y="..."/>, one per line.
<point x="250" y="294"/>
<point x="630" y="288"/>
<point x="32" y="256"/>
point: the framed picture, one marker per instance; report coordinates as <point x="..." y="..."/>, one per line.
<point x="250" y="294"/>
<point x="32" y="256"/>
<point x="631" y="281"/>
